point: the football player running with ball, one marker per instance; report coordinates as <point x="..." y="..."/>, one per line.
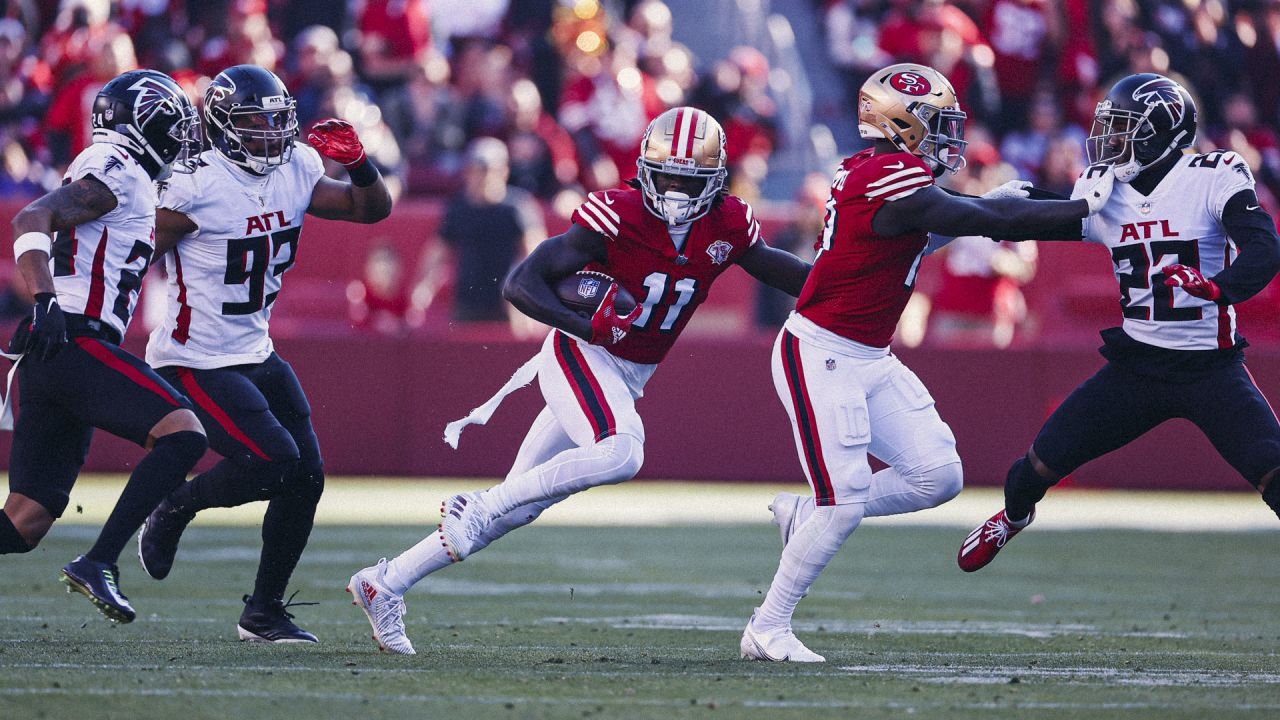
<point x="228" y="233"/>
<point x="845" y="392"/>
<point x="73" y="373"/>
<point x="665" y="239"/>
<point x="1188" y="240"/>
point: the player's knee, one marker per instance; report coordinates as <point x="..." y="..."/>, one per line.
<point x="186" y="447"/>
<point x="305" y="482"/>
<point x="944" y="483"/>
<point x="181" y="420"/>
<point x="626" y="456"/>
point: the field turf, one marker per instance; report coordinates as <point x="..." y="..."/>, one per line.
<point x="570" y="621"/>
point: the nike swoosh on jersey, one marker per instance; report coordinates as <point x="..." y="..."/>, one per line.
<point x="898" y="166"/>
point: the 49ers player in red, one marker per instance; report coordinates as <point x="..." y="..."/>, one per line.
<point x="665" y="239"/>
<point x="846" y="394"/>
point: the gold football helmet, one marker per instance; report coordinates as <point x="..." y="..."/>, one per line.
<point x="688" y="142"/>
<point x="914" y="107"/>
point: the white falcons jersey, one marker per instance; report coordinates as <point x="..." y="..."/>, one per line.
<point x="98" y="266"/>
<point x="1179" y="222"/>
<point x="224" y="277"/>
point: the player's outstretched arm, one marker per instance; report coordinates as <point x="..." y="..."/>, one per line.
<point x="530" y="285"/>
<point x="775" y="268"/>
<point x="365" y="199"/>
<point x="933" y="210"/>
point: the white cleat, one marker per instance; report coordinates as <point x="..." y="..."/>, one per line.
<point x="780" y="645"/>
<point x="464" y="518"/>
<point x="384" y="609"/>
<point x="786" y="510"/>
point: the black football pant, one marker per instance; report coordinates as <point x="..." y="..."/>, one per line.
<point x="1116" y="406"/>
<point x="258" y="418"/>
<point x="93" y="383"/>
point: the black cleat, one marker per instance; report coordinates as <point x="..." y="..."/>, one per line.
<point x="271" y="622"/>
<point x="98" y="582"/>
<point x="158" y="539"/>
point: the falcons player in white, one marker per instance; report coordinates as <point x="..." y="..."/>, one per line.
<point x="73" y="373"/>
<point x="230" y="231"/>
<point x="1188" y="240"/>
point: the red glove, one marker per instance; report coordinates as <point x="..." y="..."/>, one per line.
<point x="607" y="326"/>
<point x="337" y="140"/>
<point x="1190" y="279"/>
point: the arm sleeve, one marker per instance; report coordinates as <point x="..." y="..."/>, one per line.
<point x="1067" y="231"/>
<point x="1254" y="232"/>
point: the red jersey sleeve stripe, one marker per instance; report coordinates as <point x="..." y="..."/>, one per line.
<point x="599" y="202"/>
<point x="916" y="182"/>
<point x="610" y="228"/>
<point x="895" y="176"/>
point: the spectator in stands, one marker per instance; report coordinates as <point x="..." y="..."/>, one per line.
<point x="487" y="227"/>
<point x="67" y="121"/>
<point x="248" y="40"/>
<point x="379" y="300"/>
<point x="1063" y="164"/>
<point x="979" y="301"/>
<point x="606" y="109"/>
<point x="543" y="159"/>
<point x="1023" y="34"/>
<point x="1027" y="148"/>
<point x="343" y="97"/>
<point x="797" y="237"/>
<point x="395" y="36"/>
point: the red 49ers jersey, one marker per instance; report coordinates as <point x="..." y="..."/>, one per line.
<point x="861" y="281"/>
<point x="670" y="284"/>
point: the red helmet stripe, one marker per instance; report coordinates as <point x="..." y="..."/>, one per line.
<point x="693" y="130"/>
<point x="675" y="132"/>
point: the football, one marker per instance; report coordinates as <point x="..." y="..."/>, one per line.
<point x="583" y="290"/>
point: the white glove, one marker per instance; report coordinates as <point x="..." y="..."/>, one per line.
<point x="1095" y="191"/>
<point x="1013" y="188"/>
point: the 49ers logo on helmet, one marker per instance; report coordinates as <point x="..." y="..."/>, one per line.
<point x="910" y="83"/>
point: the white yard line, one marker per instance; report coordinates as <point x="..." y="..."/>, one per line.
<point x="381" y="501"/>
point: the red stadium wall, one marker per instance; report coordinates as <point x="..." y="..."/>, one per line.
<point x="381" y="403"/>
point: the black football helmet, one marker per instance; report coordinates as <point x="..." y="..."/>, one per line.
<point x="149" y="115"/>
<point x="1142" y="120"/>
<point x="251" y="118"/>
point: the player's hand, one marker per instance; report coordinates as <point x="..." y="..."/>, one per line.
<point x="1192" y="281"/>
<point x="1013" y="188"/>
<point x="607" y="326"/>
<point x="1095" y="191"/>
<point x="337" y="140"/>
<point x="48" y="328"/>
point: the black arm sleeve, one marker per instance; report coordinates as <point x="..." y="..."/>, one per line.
<point x="1254" y="232"/>
<point x="1073" y="230"/>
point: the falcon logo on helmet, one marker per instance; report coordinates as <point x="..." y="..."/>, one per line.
<point x="685" y="142"/>
<point x="915" y="108"/>
<point x="1143" y="119"/>
<point x="148" y="114"/>
<point x="251" y="118"/>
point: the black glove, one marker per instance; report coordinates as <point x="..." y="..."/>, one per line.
<point x="48" y="328"/>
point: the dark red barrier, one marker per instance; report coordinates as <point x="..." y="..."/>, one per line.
<point x="710" y="412"/>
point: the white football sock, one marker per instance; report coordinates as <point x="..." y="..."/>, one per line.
<point x="808" y="551"/>
<point x="544" y="441"/>
<point x="612" y="460"/>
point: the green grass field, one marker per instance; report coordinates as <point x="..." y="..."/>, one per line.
<point x="574" y="621"/>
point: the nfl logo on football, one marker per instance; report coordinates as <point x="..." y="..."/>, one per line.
<point x="588" y="288"/>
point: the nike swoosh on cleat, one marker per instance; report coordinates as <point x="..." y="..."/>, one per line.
<point x="1252" y="207"/>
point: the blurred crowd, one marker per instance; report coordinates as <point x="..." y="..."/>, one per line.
<point x="502" y="107"/>
<point x="568" y="86"/>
